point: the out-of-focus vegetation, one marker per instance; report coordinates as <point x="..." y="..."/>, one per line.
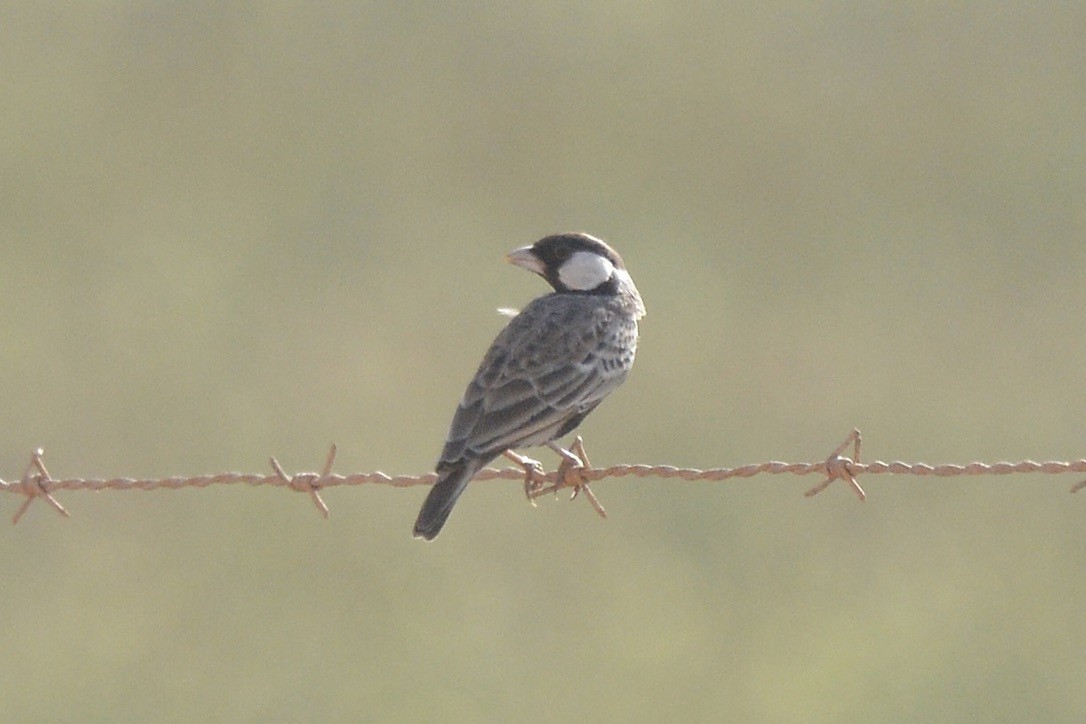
<point x="234" y="230"/>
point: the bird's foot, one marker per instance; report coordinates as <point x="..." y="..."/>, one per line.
<point x="571" y="473"/>
<point x="534" y="477"/>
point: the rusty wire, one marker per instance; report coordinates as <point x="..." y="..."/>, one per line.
<point x="573" y="472"/>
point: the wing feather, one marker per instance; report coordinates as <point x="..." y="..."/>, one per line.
<point x="553" y="362"/>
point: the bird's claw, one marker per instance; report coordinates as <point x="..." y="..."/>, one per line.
<point x="571" y="472"/>
<point x="534" y="476"/>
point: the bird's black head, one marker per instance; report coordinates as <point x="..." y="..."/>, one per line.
<point x="573" y="262"/>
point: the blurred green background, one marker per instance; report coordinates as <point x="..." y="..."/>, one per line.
<point x="235" y="230"/>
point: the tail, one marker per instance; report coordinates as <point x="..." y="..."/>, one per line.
<point x="451" y="481"/>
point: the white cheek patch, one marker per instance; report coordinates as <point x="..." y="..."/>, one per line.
<point x="585" y="270"/>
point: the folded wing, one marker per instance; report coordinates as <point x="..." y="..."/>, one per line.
<point x="546" y="370"/>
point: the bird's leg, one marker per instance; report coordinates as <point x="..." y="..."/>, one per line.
<point x="534" y="477"/>
<point x="571" y="472"/>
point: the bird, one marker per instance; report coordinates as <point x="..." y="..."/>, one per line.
<point x="551" y="365"/>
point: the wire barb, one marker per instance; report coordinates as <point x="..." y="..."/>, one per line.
<point x="571" y="473"/>
<point x="308" y="482"/>
<point x="574" y="471"/>
<point x="34" y="486"/>
<point x="839" y="467"/>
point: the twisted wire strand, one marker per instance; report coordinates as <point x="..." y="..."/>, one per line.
<point x="574" y="472"/>
<point x="624" y="470"/>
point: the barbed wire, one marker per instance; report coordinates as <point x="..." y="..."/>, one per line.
<point x="574" y="471"/>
